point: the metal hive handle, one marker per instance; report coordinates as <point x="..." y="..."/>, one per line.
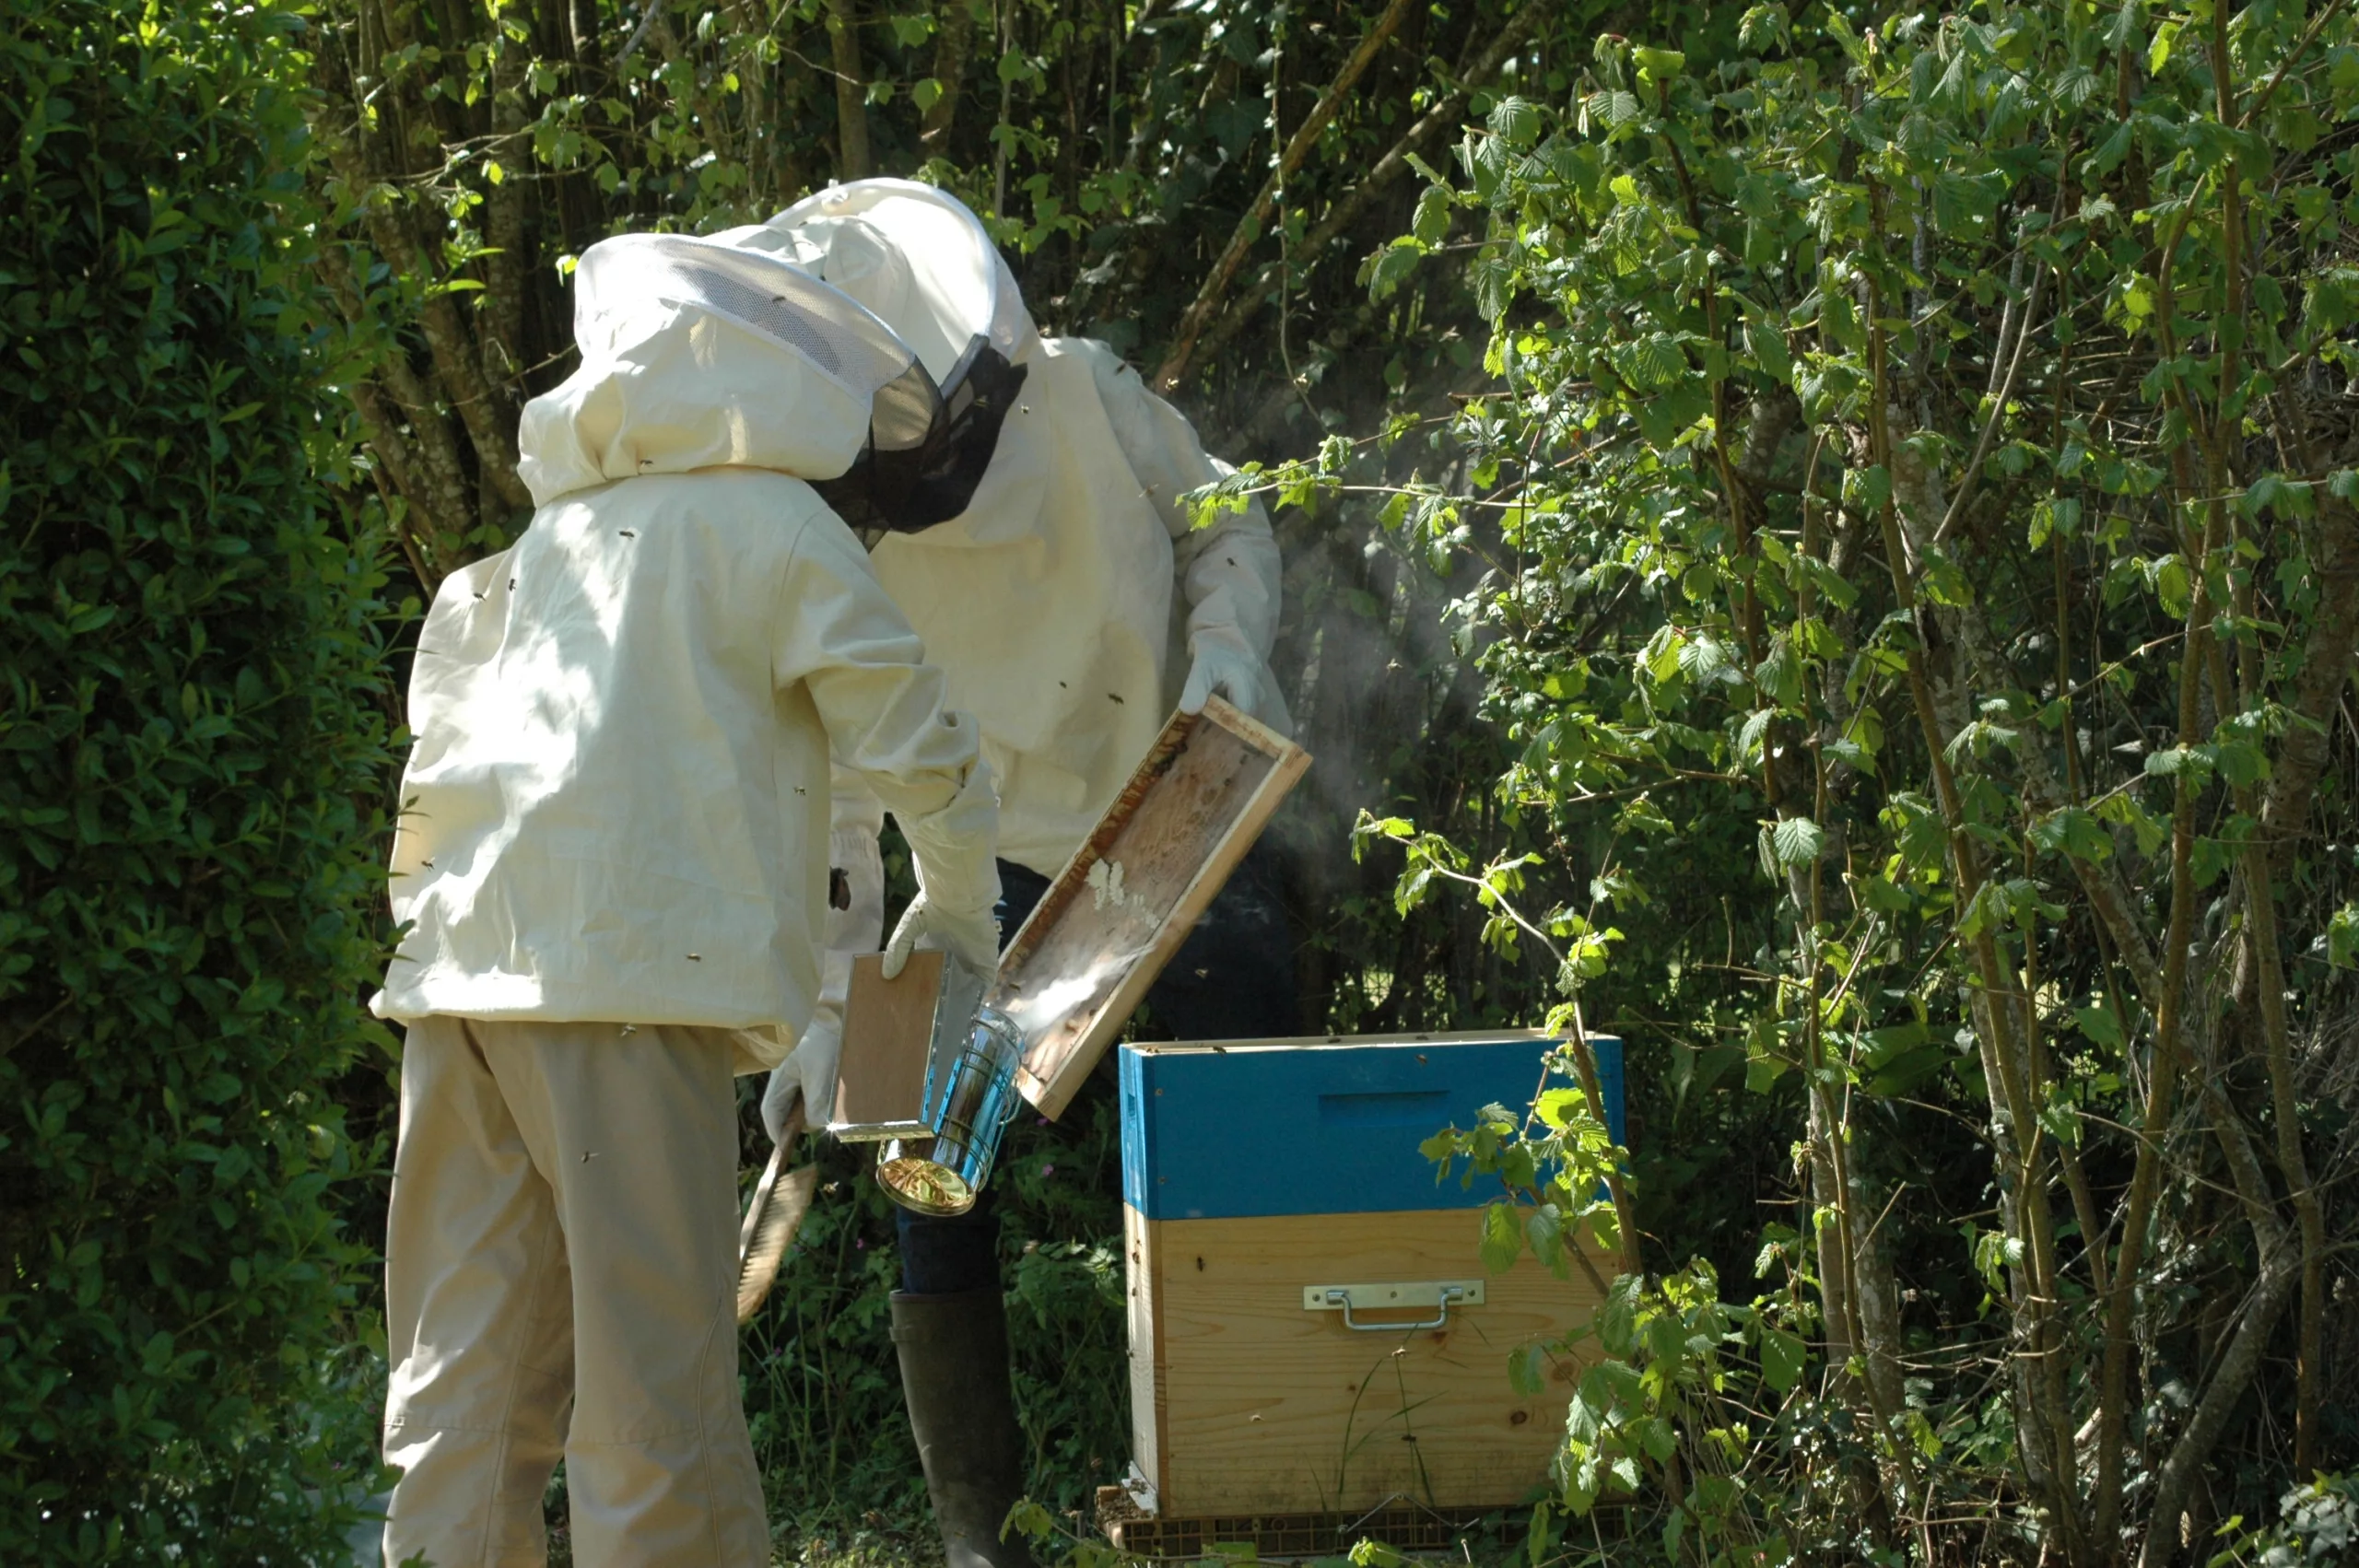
<point x="1439" y="1294"/>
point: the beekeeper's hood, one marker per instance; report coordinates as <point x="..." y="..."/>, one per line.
<point x="914" y="255"/>
<point x="921" y="261"/>
<point x="698" y="354"/>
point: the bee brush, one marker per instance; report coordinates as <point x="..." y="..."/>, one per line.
<point x="780" y="1201"/>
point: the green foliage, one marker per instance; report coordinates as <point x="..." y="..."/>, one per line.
<point x="1906" y="470"/>
<point x="823" y="1390"/>
<point x="2316" y="1523"/>
<point x="1675" y="1384"/>
<point x="193" y="739"/>
<point x="1894" y="719"/>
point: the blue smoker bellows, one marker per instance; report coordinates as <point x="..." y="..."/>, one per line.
<point x="1299" y="1126"/>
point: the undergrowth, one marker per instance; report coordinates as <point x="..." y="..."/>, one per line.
<point x="823" y="1391"/>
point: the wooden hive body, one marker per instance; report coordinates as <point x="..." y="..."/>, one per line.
<point x="1257" y="1170"/>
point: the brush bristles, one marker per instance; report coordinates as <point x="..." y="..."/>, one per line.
<point x="781" y="1215"/>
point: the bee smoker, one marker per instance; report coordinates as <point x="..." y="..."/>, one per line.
<point x="929" y="1071"/>
<point x="969" y="1099"/>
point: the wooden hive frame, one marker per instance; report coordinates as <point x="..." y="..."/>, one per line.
<point x="1137" y="885"/>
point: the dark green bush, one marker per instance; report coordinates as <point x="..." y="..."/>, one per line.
<point x="192" y="730"/>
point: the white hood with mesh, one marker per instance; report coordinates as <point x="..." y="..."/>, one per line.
<point x="703" y="353"/>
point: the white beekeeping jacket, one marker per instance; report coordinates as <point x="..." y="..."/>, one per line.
<point x="617" y="803"/>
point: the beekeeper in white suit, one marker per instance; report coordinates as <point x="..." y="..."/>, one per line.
<point x="611" y="868"/>
<point x="1070" y="606"/>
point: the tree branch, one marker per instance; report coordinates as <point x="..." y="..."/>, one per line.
<point x="950" y="56"/>
<point x="851" y="93"/>
<point x="1248" y="227"/>
<point x="1363" y="192"/>
<point x="2326" y="664"/>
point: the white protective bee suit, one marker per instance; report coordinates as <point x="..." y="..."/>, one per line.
<point x="1072" y="605"/>
<point x="611" y="867"/>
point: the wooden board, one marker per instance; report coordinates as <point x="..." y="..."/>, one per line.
<point x="1131" y="893"/>
<point x="1241" y="1401"/>
<point x="888" y="1036"/>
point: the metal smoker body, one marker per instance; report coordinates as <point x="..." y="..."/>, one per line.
<point x="970" y="1097"/>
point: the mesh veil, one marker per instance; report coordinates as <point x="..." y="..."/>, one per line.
<point x="928" y="446"/>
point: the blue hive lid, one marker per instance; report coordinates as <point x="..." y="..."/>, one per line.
<point x="1322" y="1126"/>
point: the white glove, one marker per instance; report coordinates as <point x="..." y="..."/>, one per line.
<point x="807" y="1076"/>
<point x="1222" y="664"/>
<point x="957" y="878"/>
<point x="972" y="936"/>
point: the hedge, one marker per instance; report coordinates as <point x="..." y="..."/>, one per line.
<point x="193" y="739"/>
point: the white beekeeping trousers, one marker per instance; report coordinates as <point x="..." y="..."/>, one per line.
<point x="561" y="1272"/>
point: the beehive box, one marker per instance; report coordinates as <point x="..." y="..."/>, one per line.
<point x="1311" y="1329"/>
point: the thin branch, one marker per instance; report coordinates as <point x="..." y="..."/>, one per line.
<point x="1248" y="227"/>
<point x="2301" y="47"/>
<point x="1973" y="472"/>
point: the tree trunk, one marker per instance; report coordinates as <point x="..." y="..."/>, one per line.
<point x="851" y="93"/>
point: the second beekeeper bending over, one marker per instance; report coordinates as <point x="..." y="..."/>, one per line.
<point x="1070" y="606"/>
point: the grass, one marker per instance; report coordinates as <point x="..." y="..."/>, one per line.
<point x="874" y="1543"/>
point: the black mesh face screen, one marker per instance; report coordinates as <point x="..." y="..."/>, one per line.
<point x="976" y="398"/>
<point x="927" y="449"/>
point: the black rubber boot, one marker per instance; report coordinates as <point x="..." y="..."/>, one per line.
<point x="955" y="1378"/>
